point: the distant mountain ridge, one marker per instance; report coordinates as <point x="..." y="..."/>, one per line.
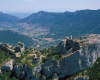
<point x="78" y="22"/>
<point x="8" y="18"/>
<point x="52" y="25"/>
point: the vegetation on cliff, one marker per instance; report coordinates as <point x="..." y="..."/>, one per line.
<point x="4" y="57"/>
<point x="6" y="76"/>
<point x="48" y="58"/>
<point x="94" y="72"/>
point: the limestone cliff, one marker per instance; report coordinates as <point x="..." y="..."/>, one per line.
<point x="76" y="61"/>
<point x="76" y="55"/>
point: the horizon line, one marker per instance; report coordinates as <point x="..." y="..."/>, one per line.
<point x="48" y="11"/>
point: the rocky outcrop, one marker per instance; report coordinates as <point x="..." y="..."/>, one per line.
<point x="38" y="59"/>
<point x="19" y="72"/>
<point x="13" y="51"/>
<point x="67" y="46"/>
<point x="8" y="66"/>
<point x="51" y="67"/>
<point x="74" y="61"/>
<point x="78" y="61"/>
<point x="17" y="49"/>
<point x="0" y="69"/>
<point x="26" y="73"/>
<point x="82" y="78"/>
<point x="20" y="47"/>
<point x="3" y="47"/>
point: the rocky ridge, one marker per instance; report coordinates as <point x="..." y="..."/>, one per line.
<point x="76" y="55"/>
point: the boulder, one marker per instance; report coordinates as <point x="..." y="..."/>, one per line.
<point x="8" y="66"/>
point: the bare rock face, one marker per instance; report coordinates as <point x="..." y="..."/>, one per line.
<point x="36" y="61"/>
<point x="76" y="60"/>
<point x="82" y="78"/>
<point x="20" y="47"/>
<point x="17" y="49"/>
<point x="25" y="73"/>
<point x="80" y="60"/>
<point x="21" y="44"/>
<point x="51" y="67"/>
<point x="5" y="48"/>
<point x="19" y="71"/>
<point x="61" y="47"/>
<point x="8" y="66"/>
<point x="0" y="69"/>
<point x="67" y="46"/>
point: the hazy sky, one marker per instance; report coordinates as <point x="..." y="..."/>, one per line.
<point x="47" y="5"/>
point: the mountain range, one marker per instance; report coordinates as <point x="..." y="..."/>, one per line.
<point x="71" y="23"/>
<point x="8" y="18"/>
<point x="53" y="25"/>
